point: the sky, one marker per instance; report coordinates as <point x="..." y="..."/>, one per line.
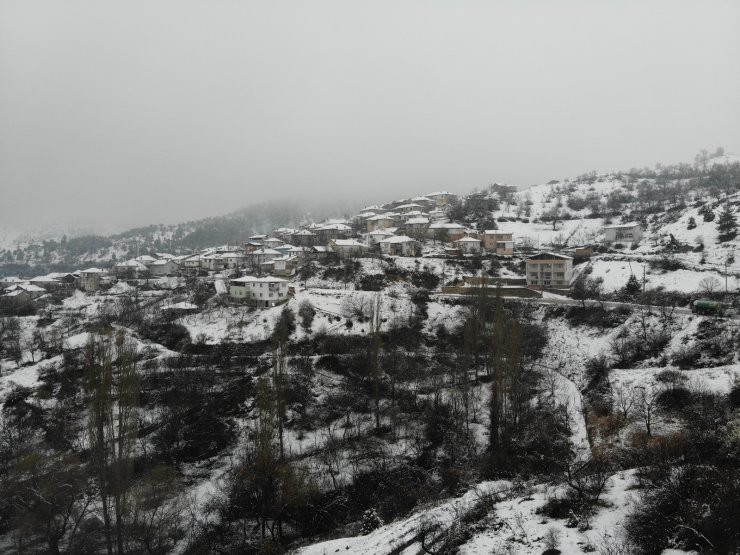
<point x="128" y="113"/>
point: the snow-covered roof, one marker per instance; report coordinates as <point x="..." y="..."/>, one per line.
<point x="93" y="271"/>
<point x="305" y="233"/>
<point x="417" y="221"/>
<point x="162" y="262"/>
<point x="130" y="264"/>
<point x="622" y="226"/>
<point x="252" y="279"/>
<point x="145" y="258"/>
<point x="421" y="199"/>
<point x="409" y="205"/>
<point x="384" y="232"/>
<point x="445" y="226"/>
<point x="399" y="239"/>
<point x="549" y="256"/>
<point x="348" y="243"/>
<point x="257" y="237"/>
<point x="337" y="227"/>
<point x="266" y="251"/>
<point x="28" y="287"/>
<point x="438" y="194"/>
<point x="496" y="232"/>
<point x="467" y="240"/>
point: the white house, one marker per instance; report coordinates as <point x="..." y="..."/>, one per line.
<point x="468" y="245"/>
<point x="400" y="245"/>
<point x="145" y="259"/>
<point x="347" y="247"/>
<point x="623" y="233"/>
<point x="266" y="291"/>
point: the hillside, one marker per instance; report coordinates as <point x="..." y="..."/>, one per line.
<point x="390" y="402"/>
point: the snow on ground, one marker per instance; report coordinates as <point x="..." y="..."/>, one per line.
<point x="512" y="523"/>
<point x="391" y="537"/>
<point x="615" y="274"/>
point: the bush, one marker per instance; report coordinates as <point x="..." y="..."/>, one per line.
<point x="306" y="312"/>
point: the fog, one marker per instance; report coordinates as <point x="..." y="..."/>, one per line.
<point x="142" y="112"/>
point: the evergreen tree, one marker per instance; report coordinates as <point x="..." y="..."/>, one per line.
<point x="727" y="224"/>
<point x="632" y="288"/>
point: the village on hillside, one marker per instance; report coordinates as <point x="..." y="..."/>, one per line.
<point x="534" y="255"/>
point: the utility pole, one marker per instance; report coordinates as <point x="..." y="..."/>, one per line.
<point x="643" y="279"/>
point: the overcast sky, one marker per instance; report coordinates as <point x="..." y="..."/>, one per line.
<point x="153" y="111"/>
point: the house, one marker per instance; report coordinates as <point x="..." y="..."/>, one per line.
<point x="33" y="291"/>
<point x="258" y="257"/>
<point x="381" y="221"/>
<point x="15" y="297"/>
<point x="90" y="279"/>
<point x="468" y="245"/>
<point x="446" y="231"/>
<point x="417" y="227"/>
<point x="408" y="207"/>
<point x="375" y="237"/>
<point x="303" y="238"/>
<point x="266" y="291"/>
<point x="623" y="233"/>
<point x="232" y="260"/>
<point x="347" y="247"/>
<point x="271" y="242"/>
<point x="257" y="239"/>
<point x="549" y="270"/>
<point x="498" y="241"/>
<point x="285" y="265"/>
<point x="252" y="246"/>
<point x="211" y="261"/>
<point x="441" y="198"/>
<point x="145" y="259"/>
<point x="332" y="231"/>
<point x="164" y="267"/>
<point x="190" y="264"/>
<point x="400" y="245"/>
<point x="130" y="269"/>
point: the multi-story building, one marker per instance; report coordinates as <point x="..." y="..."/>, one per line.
<point x="498" y="241"/>
<point x="266" y="291"/>
<point x="549" y="270"/>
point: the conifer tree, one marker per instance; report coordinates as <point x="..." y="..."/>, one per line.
<point x="727" y="223"/>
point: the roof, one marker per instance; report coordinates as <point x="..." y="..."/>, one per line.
<point x="467" y="240"/>
<point x="617" y="226"/>
<point x="417" y="221"/>
<point x="337" y="227"/>
<point x="266" y="251"/>
<point x="258" y="236"/>
<point x="130" y="264"/>
<point x="409" y="205"/>
<point x="387" y="231"/>
<point x="497" y="232"/>
<point x="445" y="226"/>
<point x="348" y="243"/>
<point x="145" y="258"/>
<point x="386" y="216"/>
<point x="549" y="256"/>
<point x="163" y="262"/>
<point x="252" y="279"/>
<point x="399" y="239"/>
<point x="437" y="194"/>
<point x="305" y="232"/>
<point x="93" y="271"/>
